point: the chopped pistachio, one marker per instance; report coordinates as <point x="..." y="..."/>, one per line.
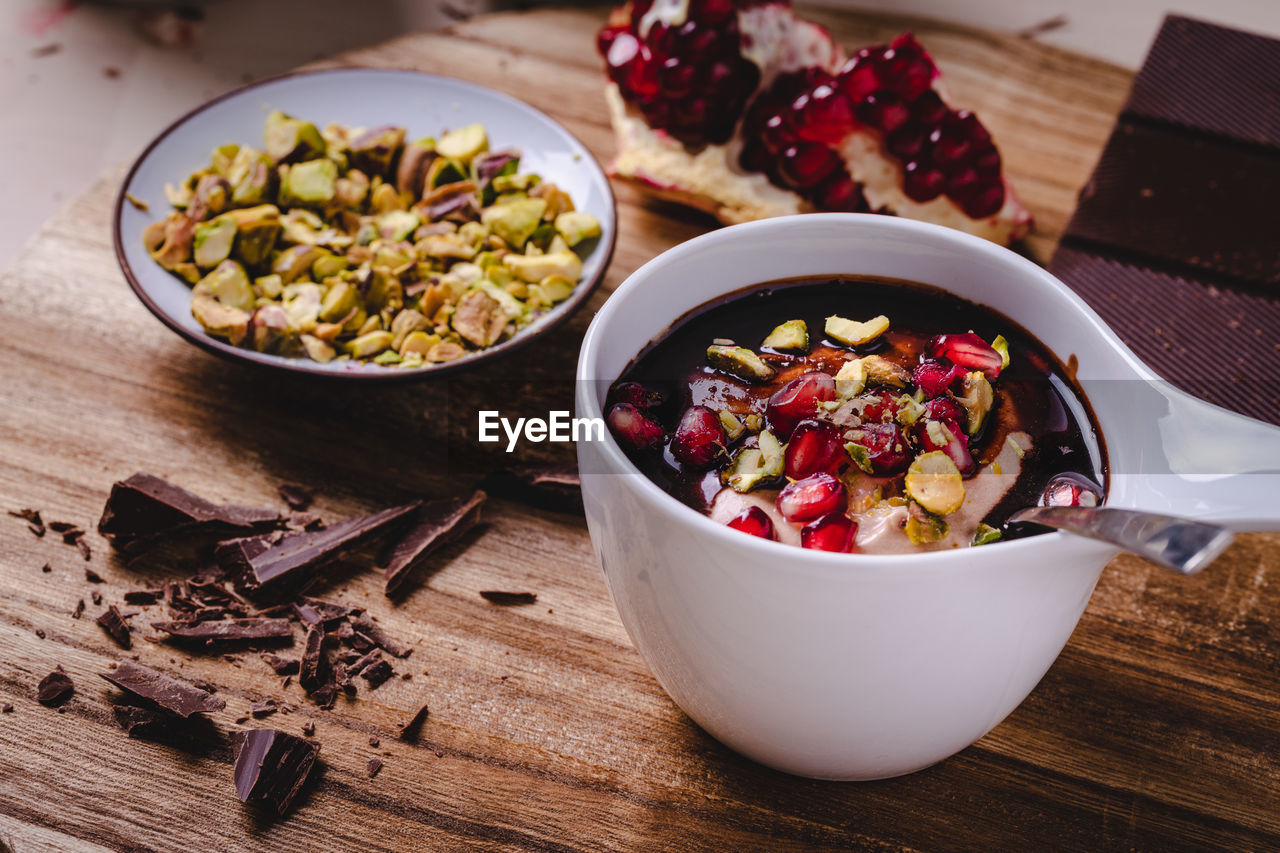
<point x="534" y="268"/>
<point x="316" y="349"/>
<point x="851" y="378"/>
<point x="327" y="266"/>
<point x="733" y="427"/>
<point x="269" y="286"/>
<point x="910" y="410"/>
<point x="1001" y="346"/>
<point x="211" y="194"/>
<point x="791" y="336"/>
<point x="576" y="226"/>
<point x="996" y="468"/>
<point x="268" y="326"/>
<point x="384" y="199"/>
<point x="860" y="455"/>
<point x="288" y="138"/>
<point x="374" y="150"/>
<point x="740" y="362"/>
<point x="302" y="302"/>
<point x="411" y="172"/>
<point x="213" y="241"/>
<point x="515" y="183"/>
<point x="222" y="321"/>
<point x="464" y="143"/>
<point x="556" y="288"/>
<point x="977" y="400"/>
<point x="985" y="534"/>
<point x="228" y="284"/>
<point x="418" y="343"/>
<point x="753" y="422"/>
<point x="754" y="467"/>
<point x="250" y="176"/>
<point x="924" y="527"/>
<point x="138" y="203"/>
<point x="881" y="371"/>
<point x="515" y="221"/>
<point x="369" y="344"/>
<point x="292" y="263"/>
<point x="479" y="318"/>
<point x="397" y="225"/>
<point x="934" y="482"/>
<point x="256" y="231"/>
<point x="853" y="333"/>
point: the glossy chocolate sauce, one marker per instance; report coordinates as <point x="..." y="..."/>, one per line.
<point x="1035" y="394"/>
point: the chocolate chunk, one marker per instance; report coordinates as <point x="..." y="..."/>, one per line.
<point x="377" y="673"/>
<point x="315" y="611"/>
<point x="508" y="599"/>
<point x="434" y="525"/>
<point x="269" y="563"/>
<point x="172" y="694"/>
<point x="46" y="568"/>
<point x="55" y="688"/>
<point x="373" y="766"/>
<point x="228" y="629"/>
<point x="325" y="695"/>
<point x="265" y="708"/>
<point x="409" y="729"/>
<point x="308" y="728"/>
<point x="282" y="666"/>
<point x="83" y="548"/>
<point x="69" y="530"/>
<point x="138" y="721"/>
<point x="79" y="611"/>
<point x="40" y="633"/>
<point x="311" y="671"/>
<point x="556" y="488"/>
<point x="95" y="597"/>
<point x="297" y="497"/>
<point x="144" y="509"/>
<point x="143" y="596"/>
<point x="92" y="577"/>
<point x="360" y="642"/>
<point x="366" y="626"/>
<point x="373" y="741"/>
<point x="112" y="621"/>
<point x="271" y="765"/>
<point x="32" y="518"/>
<point x="6" y="708"/>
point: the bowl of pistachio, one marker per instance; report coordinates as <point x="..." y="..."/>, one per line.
<point x="364" y="223"/>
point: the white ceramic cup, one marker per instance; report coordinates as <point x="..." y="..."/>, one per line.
<point x="855" y="666"/>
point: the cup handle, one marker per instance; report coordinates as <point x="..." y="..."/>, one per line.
<point x="1184" y="456"/>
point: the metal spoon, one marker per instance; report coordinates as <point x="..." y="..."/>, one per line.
<point x="1180" y="544"/>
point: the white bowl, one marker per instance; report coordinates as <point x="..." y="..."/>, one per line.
<point x="854" y="666"/>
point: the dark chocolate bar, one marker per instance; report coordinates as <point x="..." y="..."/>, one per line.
<point x="172" y="694"/>
<point x="435" y="524"/>
<point x="272" y="765"/>
<point x="144" y="509"/>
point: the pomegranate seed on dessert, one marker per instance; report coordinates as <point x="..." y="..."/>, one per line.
<point x="933" y="377"/>
<point x="633" y="428"/>
<point x="813" y="497"/>
<point x="824" y="115"/>
<point x="879" y="405"/>
<point x="699" y="440"/>
<point x="948" y="437"/>
<point x="928" y="109"/>
<point x="985" y="199"/>
<point x="883" y="110"/>
<point x="946" y="408"/>
<point x="885" y="451"/>
<point x="967" y="350"/>
<point x="636" y="394"/>
<point x="755" y="521"/>
<point x="922" y="183"/>
<point x="798" y="400"/>
<point x="806" y="163"/>
<point x="814" y="446"/>
<point x="1068" y="490"/>
<point x="835" y="532"/>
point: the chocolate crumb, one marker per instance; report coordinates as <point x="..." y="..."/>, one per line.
<point x="286" y="681"/>
<point x="113" y="623"/>
<point x="308" y="729"/>
<point x="83" y="547"/>
<point x="96" y="597"/>
<point x="372" y="768"/>
<point x="508" y="599"/>
<point x="282" y="666"/>
<point x="164" y="691"/>
<point x="374" y="742"/>
<point x="55" y="688"/>
<point x="242" y="720"/>
<point x="409" y="730"/>
<point x="6" y="708"/>
<point x="67" y="529"/>
<point x="439" y="754"/>
<point x="377" y="673"/>
<point x="265" y="708"/>
<point x="143" y="596"/>
<point x="40" y="633"/>
<point x="46" y="568"/>
<point x="79" y="611"/>
<point x="92" y="577"/>
<point x="32" y="516"/>
<point x="136" y="721"/>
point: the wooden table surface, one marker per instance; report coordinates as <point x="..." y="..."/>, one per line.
<point x="1157" y="729"/>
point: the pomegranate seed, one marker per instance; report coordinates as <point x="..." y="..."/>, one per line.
<point x="813" y="497"/>
<point x="948" y="151"/>
<point x="834" y="532"/>
<point x="908" y="76"/>
<point x="962" y="184"/>
<point x="967" y="350"/>
<point x="884" y="448"/>
<point x="839" y="193"/>
<point x="633" y="429"/>
<point x="604" y="38"/>
<point x="858" y="78"/>
<point x="777" y="133"/>
<point x="755" y="521"/>
<point x="922" y="183"/>
<point x="934" y="378"/>
<point x="928" y="109"/>
<point x="879" y="405"/>
<point x="798" y="400"/>
<point x="823" y="115"/>
<point x="968" y="126"/>
<point x="946" y="408"/>
<point x="986" y="162"/>
<point x="884" y="110"/>
<point x="1069" y="490"/>
<point x="948" y="437"/>
<point x="711" y="12"/>
<point x="676" y="78"/>
<point x="814" y="446"/>
<point x="699" y="440"/>
<point x="907" y="142"/>
<point x="636" y="395"/>
<point x="985" y="199"/>
<point x="755" y="156"/>
<point x="806" y="163"/>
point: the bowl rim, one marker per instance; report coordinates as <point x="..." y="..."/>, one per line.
<point x="804" y="558"/>
<point x="382" y="374"/>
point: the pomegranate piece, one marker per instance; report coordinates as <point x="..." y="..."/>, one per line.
<point x="640" y="396"/>
<point x="946" y="409"/>
<point x="948" y="437"/>
<point x="833" y="532"/>
<point x="879" y="405"/>
<point x="1070" y="490"/>
<point x="967" y="350"/>
<point x="814" y="447"/>
<point x="699" y="439"/>
<point x="755" y="521"/>
<point x="813" y="497"/>
<point x="879" y="449"/>
<point x="934" y="377"/>
<point x="798" y="400"/>
<point x="632" y="428"/>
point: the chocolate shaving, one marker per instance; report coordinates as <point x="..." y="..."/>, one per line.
<point x="374" y="765"/>
<point x="271" y="765"/>
<point x="377" y="673"/>
<point x="145" y="509"/>
<point x="308" y="728"/>
<point x="32" y="518"/>
<point x="262" y="563"/>
<point x="282" y="666"/>
<point x="435" y="524"/>
<point x="554" y="487"/>
<point x="83" y="547"/>
<point x="297" y="497"/>
<point x="143" y="596"/>
<point x="372" y="630"/>
<point x="38" y="531"/>
<point x="92" y="577"/>
<point x="6" y="708"/>
<point x="79" y="611"/>
<point x="265" y="708"/>
<point x="138" y="721"/>
<point x="409" y="729"/>
<point x="311" y="670"/>
<point x="315" y="611"/>
<point x="112" y="621"/>
<point x="55" y="688"/>
<point x="228" y="629"/>
<point x="172" y="694"/>
<point x="374" y="742"/>
<point x="46" y="568"/>
<point x="508" y="599"/>
<point x="95" y="597"/>
<point x="325" y="695"/>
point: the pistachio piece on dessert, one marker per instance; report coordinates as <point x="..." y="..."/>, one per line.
<point x="977" y="400"/>
<point x="934" y="482"/>
<point x="740" y="362"/>
<point x="851" y="378"/>
<point x="756" y="467"/>
<point x="1001" y="346"/>
<point x="791" y="336"/>
<point x="853" y="333"/>
<point x="923" y="527"/>
<point x="733" y="428"/>
<point x="882" y="371"/>
<point x="985" y="534"/>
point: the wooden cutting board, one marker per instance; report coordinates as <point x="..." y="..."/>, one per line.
<point x="1157" y="728"/>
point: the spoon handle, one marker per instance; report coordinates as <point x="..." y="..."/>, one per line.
<point x="1180" y="544"/>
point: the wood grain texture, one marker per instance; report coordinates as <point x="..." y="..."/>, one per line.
<point x="1157" y="729"/>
